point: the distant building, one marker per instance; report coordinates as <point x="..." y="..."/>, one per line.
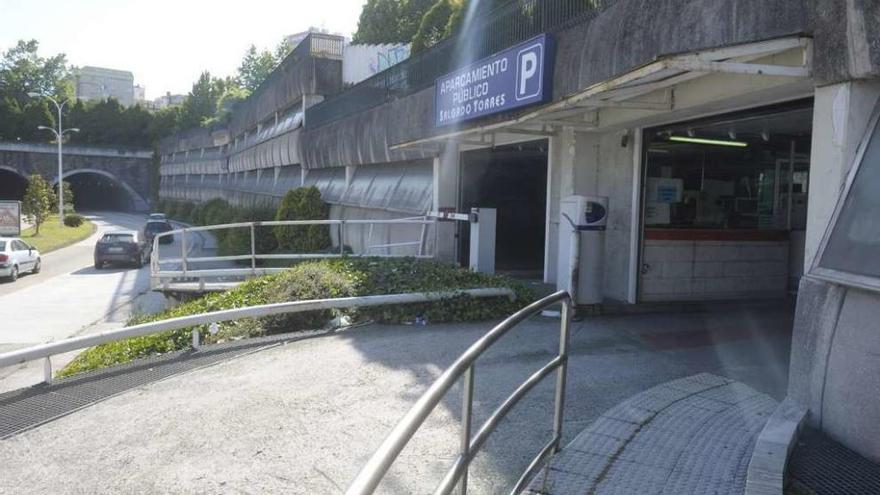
<point x="98" y="83"/>
<point x="360" y="62"/>
<point x="168" y="100"/>
<point x="294" y="39"/>
<point x="140" y="94"/>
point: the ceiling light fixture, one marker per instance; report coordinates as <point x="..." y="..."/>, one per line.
<point x="714" y="142"/>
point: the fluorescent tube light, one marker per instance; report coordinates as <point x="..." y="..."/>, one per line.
<point x="715" y="142"/>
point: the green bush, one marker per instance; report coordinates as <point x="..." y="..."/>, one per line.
<point x="238" y="241"/>
<point x="73" y="220"/>
<point x="344" y="277"/>
<point x="303" y="203"/>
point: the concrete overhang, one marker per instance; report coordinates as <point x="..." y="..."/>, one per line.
<point x="634" y="90"/>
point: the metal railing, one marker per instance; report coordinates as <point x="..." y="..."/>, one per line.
<point x="46" y="351"/>
<point x="457" y="476"/>
<point x="184" y="263"/>
<point x="505" y="26"/>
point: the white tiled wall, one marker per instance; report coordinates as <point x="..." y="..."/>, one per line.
<point x="695" y="270"/>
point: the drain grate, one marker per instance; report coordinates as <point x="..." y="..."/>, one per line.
<point x="26" y="408"/>
<point x="822" y="466"/>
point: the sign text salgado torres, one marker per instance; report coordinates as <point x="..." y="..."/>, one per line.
<point x="514" y="78"/>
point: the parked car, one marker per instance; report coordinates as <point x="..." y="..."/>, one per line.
<point x="157" y="216"/>
<point x="154" y="227"/>
<point x="124" y="246"/>
<point x="17" y="257"/>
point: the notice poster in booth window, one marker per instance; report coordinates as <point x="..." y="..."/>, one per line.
<point x="664" y="190"/>
<point x="10" y="218"/>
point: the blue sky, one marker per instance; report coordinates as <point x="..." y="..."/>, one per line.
<point x="166" y="43"/>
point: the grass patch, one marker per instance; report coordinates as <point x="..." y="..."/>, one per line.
<point x="343" y="277"/>
<point x="54" y="236"/>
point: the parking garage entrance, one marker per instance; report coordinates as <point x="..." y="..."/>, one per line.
<point x="513" y="180"/>
<point x="725" y="205"/>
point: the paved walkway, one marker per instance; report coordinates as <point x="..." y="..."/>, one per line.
<point x="694" y="435"/>
<point x="303" y="417"/>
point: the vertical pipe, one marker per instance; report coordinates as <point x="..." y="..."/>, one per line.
<point x="564" y="333"/>
<point x="422" y="237"/>
<point x="467" y="402"/>
<point x="790" y="182"/>
<point x="253" y="250"/>
<point x="60" y="170"/>
<point x="341" y="238"/>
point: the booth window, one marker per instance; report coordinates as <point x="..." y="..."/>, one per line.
<point x="744" y="171"/>
<point x="853" y="242"/>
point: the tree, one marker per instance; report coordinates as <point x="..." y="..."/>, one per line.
<point x="23" y="70"/>
<point x="255" y="67"/>
<point x="390" y="21"/>
<point x="282" y="50"/>
<point x="37" y="201"/>
<point x="303" y="203"/>
<point x="68" y="197"/>
<point x="201" y="103"/>
<point x="438" y="23"/>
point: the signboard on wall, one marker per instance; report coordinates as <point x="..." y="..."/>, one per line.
<point x="514" y="78"/>
<point x="10" y="218"/>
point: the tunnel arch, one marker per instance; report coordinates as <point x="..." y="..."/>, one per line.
<point x="116" y="194"/>
<point x="12" y="183"/>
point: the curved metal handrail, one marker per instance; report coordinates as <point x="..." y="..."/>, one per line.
<point x="374" y="470"/>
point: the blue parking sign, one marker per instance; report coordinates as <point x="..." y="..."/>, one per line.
<point x="514" y="78"/>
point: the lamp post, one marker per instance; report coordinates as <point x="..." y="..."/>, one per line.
<point x="59" y="134"/>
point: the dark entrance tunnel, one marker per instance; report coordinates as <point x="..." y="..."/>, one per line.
<point x="94" y="191"/>
<point x="12" y="185"/>
<point x="513" y="179"/>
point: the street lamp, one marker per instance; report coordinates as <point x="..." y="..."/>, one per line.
<point x="59" y="134"/>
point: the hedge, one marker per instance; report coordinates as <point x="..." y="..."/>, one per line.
<point x="342" y="277"/>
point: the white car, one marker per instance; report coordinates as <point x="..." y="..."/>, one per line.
<point x="17" y="257"/>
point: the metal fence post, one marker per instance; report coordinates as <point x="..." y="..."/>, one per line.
<point x="564" y="333"/>
<point x="183" y="251"/>
<point x="467" y="403"/>
<point x="253" y="250"/>
<point x="195" y="338"/>
<point x="47" y="370"/>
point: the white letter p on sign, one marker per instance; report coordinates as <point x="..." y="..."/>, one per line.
<point x="528" y="67"/>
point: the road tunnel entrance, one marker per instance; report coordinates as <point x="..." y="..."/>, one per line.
<point x="98" y="191"/>
<point x="12" y="185"/>
<point x="512" y="179"/>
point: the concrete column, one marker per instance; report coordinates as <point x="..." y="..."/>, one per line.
<point x="349" y="174"/>
<point x="446" y="195"/>
<point x="840" y="116"/>
<point x="560" y="183"/>
<point x="303" y="172"/>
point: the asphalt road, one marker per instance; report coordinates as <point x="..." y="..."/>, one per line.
<point x="70" y="297"/>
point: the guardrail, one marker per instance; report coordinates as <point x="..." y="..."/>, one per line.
<point x="374" y="470"/>
<point x="184" y="262"/>
<point x="46" y="351"/>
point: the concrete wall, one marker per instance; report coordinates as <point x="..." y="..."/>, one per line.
<point x="701" y="270"/>
<point x="840" y="115"/>
<point x="130" y="168"/>
<point x="834" y="369"/>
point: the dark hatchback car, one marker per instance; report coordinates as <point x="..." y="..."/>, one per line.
<point x="121" y="247"/>
<point x="154" y="227"/>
